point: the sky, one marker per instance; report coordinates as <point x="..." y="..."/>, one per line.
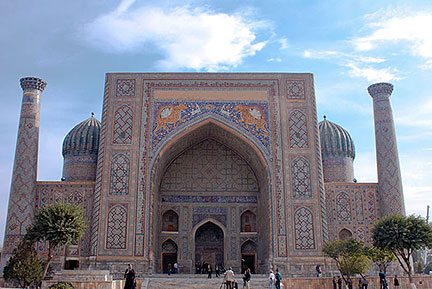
<point x="347" y="45"/>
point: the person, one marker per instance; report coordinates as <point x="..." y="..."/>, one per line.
<point x="229" y="278"/>
<point x="209" y="271"/>
<point x="246" y="278"/>
<point x="129" y="276"/>
<point x="175" y="268"/>
<point x="278" y="278"/>
<point x="396" y="282"/>
<point x="169" y="269"/>
<point x="339" y="281"/>
<point x="360" y="284"/>
<point x="349" y="283"/>
<point x="383" y="281"/>
<point x="217" y="270"/>
<point x="334" y="282"/>
<point x="234" y="284"/>
<point x="271" y="280"/>
<point x="365" y="283"/>
<point x="318" y="270"/>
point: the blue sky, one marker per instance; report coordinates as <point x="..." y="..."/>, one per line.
<point x="347" y="45"/>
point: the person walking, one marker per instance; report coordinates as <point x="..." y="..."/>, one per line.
<point x="175" y="268"/>
<point x="365" y="283"/>
<point x="271" y="280"/>
<point x="217" y="271"/>
<point x="169" y="269"/>
<point x="383" y="281"/>
<point x="129" y="276"/>
<point x="278" y="278"/>
<point x="335" y="283"/>
<point x="209" y="271"/>
<point x="229" y="278"/>
<point x="246" y="278"/>
<point x="318" y="270"/>
<point x="396" y="282"/>
<point x="339" y="282"/>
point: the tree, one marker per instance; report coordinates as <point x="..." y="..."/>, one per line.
<point x="59" y="224"/>
<point x="381" y="257"/>
<point x="350" y="255"/>
<point x="402" y="235"/>
<point x="24" y="266"/>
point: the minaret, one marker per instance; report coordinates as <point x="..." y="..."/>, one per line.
<point x="391" y="198"/>
<point x="23" y="187"/>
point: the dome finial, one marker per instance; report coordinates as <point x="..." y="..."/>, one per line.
<point x="92" y="114"/>
<point x="325" y="117"/>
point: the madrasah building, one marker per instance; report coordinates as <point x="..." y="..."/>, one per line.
<point x="218" y="168"/>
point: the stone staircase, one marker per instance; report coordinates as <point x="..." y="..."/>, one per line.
<point x="183" y="281"/>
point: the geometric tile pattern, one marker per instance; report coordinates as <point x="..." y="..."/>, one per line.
<point x="359" y="206"/>
<point x="209" y="167"/>
<point x="304" y="229"/>
<point x="117" y="227"/>
<point x="295" y="89"/>
<point x="120" y="169"/>
<point x="123" y="121"/>
<point x="300" y="173"/>
<point x="343" y="207"/>
<point x="298" y="136"/>
<point x="371" y="205"/>
<point x="125" y="87"/>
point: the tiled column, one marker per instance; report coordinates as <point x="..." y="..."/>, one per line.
<point x="23" y="186"/>
<point x="389" y="175"/>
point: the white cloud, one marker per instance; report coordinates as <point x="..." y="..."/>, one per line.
<point x="190" y="37"/>
<point x="275" y="59"/>
<point x="372" y="74"/>
<point x="284" y="43"/>
<point x="413" y="29"/>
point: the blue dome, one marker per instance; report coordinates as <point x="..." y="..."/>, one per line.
<point x="83" y="138"/>
<point x="335" y="140"/>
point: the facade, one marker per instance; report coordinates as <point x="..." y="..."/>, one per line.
<point x="218" y="168"/>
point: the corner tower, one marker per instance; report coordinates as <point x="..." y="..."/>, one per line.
<point x="389" y="176"/>
<point x="24" y="176"/>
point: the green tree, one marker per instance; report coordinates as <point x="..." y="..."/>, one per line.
<point x="59" y="224"/>
<point x="402" y="235"/>
<point x="350" y="255"/>
<point x="24" y="266"/>
<point x="381" y="257"/>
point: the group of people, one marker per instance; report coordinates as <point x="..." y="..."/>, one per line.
<point x="274" y="279"/>
<point x="363" y="282"/>
<point x="171" y="270"/>
<point x="231" y="282"/>
<point x="206" y="268"/>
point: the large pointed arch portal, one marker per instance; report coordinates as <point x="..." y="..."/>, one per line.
<point x="211" y="171"/>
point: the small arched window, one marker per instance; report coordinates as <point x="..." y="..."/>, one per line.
<point x="170" y="221"/>
<point x="345" y="234"/>
<point x="248" y="222"/>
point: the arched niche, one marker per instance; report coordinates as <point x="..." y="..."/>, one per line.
<point x="243" y="146"/>
<point x="170" y="221"/>
<point x="169" y="251"/>
<point x="249" y="251"/>
<point x="345" y="234"/>
<point x="248" y="221"/>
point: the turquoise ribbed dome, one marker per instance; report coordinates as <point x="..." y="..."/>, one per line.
<point x="335" y="140"/>
<point x="83" y="138"/>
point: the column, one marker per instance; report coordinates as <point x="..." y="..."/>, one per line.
<point x="23" y="187"/>
<point x="391" y="198"/>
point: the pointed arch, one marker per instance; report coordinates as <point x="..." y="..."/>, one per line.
<point x="170" y="221"/>
<point x="248" y="221"/>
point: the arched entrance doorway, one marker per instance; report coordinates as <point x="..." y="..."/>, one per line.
<point x="249" y="256"/>
<point x="209" y="245"/>
<point x="212" y="174"/>
<point x="169" y="255"/>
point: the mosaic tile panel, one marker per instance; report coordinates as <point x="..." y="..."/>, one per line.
<point x="296" y="89"/>
<point x="343" y="207"/>
<point x="300" y="178"/>
<point x="116" y="233"/>
<point x="304" y="229"/>
<point x="120" y="170"/>
<point x="252" y="117"/>
<point x="298" y="130"/>
<point x="125" y="87"/>
<point x="123" y="123"/>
